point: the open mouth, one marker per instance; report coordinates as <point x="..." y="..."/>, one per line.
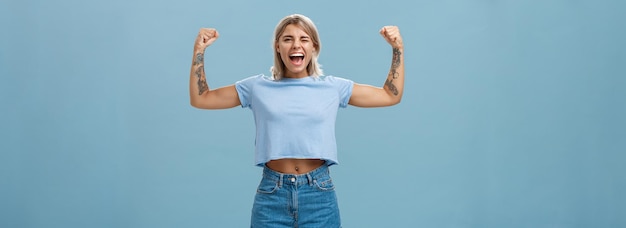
<point x="296" y="58"/>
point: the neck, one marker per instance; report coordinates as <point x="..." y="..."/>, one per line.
<point x="292" y="75"/>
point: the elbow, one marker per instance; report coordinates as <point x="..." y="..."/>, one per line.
<point x="199" y="101"/>
<point x="395" y="100"/>
<point x="195" y="103"/>
<point x="387" y="103"/>
<point x="199" y="105"/>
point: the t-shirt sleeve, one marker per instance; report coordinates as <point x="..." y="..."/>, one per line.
<point x="244" y="90"/>
<point x="344" y="87"/>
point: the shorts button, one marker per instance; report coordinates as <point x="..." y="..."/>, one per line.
<point x="293" y="179"/>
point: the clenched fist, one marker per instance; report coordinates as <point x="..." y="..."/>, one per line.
<point x="392" y="36"/>
<point x="205" y="38"/>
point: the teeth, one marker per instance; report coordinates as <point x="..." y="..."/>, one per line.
<point x="296" y="55"/>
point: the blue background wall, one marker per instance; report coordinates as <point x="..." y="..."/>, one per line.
<point x="513" y="115"/>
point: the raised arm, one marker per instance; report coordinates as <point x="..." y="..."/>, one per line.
<point x="391" y="92"/>
<point x="199" y="93"/>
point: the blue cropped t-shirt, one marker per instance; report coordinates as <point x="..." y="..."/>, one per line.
<point x="294" y="117"/>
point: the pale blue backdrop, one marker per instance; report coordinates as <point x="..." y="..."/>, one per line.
<point x="514" y="113"/>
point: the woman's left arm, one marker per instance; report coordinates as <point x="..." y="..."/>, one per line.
<point x="391" y="92"/>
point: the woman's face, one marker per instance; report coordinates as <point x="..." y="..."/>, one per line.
<point x="296" y="50"/>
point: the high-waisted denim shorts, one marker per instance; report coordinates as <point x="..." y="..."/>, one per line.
<point x="302" y="201"/>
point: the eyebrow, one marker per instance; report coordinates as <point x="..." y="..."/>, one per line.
<point x="291" y="36"/>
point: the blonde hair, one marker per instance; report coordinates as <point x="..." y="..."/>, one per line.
<point x="306" y="24"/>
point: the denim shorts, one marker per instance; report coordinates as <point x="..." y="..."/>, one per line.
<point x="299" y="201"/>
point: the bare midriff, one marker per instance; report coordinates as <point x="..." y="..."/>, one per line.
<point x="294" y="166"/>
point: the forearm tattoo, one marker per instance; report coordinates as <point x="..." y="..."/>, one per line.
<point x="198" y="62"/>
<point x="391" y="86"/>
<point x="202" y="84"/>
<point x="393" y="74"/>
<point x="199" y="59"/>
<point x="395" y="62"/>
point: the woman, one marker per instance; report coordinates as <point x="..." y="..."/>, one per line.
<point x="295" y="111"/>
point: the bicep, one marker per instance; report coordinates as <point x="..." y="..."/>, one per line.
<point x="369" y="96"/>
<point x="220" y="98"/>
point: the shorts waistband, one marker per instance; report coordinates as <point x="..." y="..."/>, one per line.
<point x="296" y="179"/>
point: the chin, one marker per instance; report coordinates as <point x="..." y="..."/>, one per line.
<point x="297" y="71"/>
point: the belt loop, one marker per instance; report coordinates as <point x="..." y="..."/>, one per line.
<point x="280" y="180"/>
<point x="310" y="179"/>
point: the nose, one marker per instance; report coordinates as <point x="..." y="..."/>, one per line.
<point x="296" y="44"/>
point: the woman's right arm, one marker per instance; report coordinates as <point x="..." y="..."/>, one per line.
<point x="199" y="93"/>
